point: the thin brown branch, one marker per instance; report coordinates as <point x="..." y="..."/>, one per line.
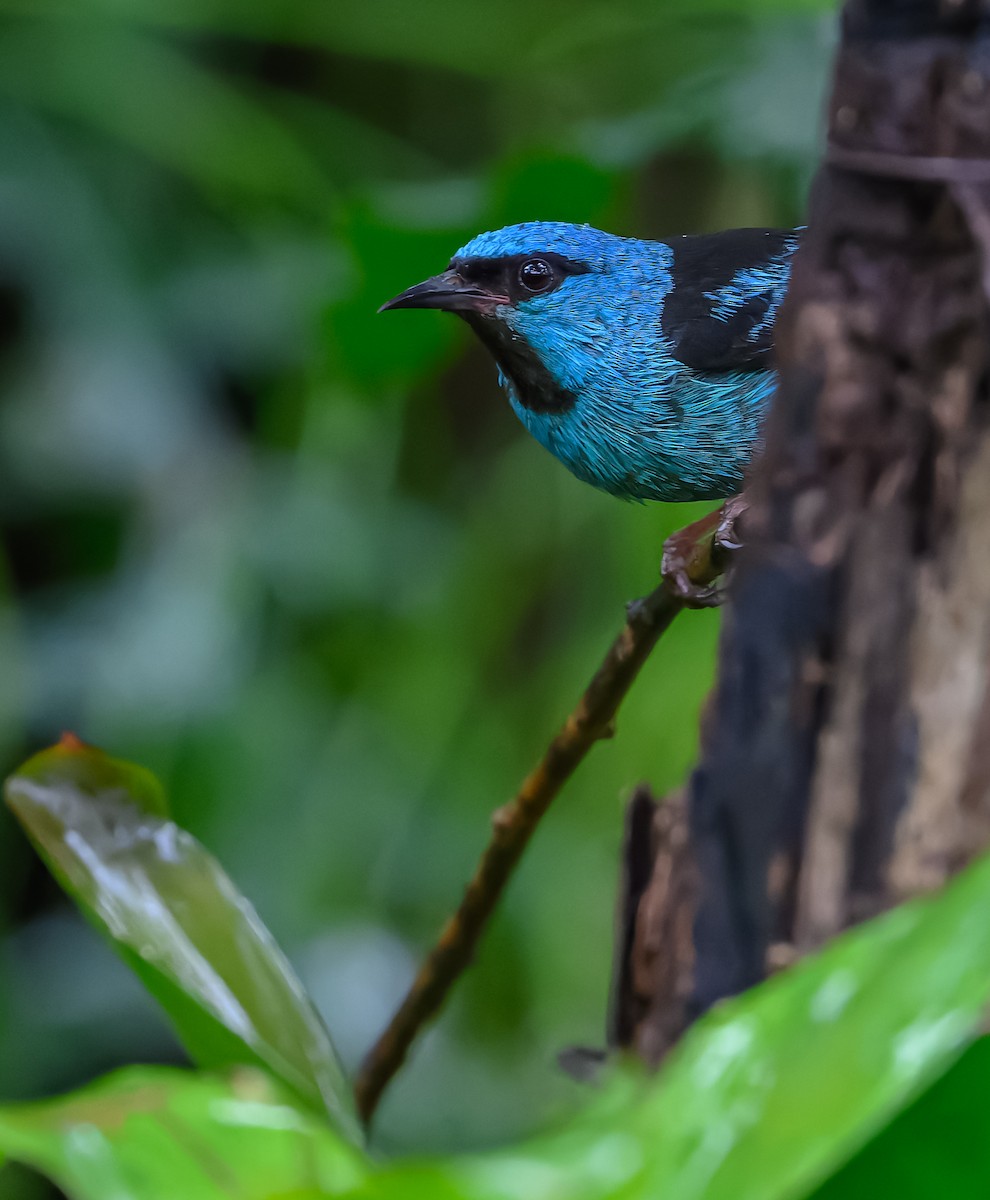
<point x="514" y="824"/>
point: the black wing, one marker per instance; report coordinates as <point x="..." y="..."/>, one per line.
<point x="719" y="313"/>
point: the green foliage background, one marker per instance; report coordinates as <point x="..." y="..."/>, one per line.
<point x="299" y="559"/>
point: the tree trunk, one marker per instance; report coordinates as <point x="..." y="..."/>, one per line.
<point x="846" y="760"/>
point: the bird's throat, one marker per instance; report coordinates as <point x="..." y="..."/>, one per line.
<point x="534" y="385"/>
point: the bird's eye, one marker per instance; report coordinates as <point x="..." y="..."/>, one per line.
<point x="536" y="275"/>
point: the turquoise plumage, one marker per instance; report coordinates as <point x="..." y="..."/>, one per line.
<point x="645" y="367"/>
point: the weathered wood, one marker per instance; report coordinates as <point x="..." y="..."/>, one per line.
<point x="847" y="763"/>
<point x="654" y="966"/>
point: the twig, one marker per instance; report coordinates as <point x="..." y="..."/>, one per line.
<point x="514" y="824"/>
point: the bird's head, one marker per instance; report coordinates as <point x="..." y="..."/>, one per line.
<point x="547" y="298"/>
<point x="518" y="267"/>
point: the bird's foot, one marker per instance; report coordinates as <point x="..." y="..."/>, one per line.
<point x="696" y="556"/>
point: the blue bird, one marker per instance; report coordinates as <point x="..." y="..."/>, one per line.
<point x="645" y="367"/>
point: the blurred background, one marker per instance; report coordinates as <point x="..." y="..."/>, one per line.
<point x="300" y="559"/>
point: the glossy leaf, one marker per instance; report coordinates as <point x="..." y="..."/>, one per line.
<point x="937" y="1147"/>
<point x="161" y="1134"/>
<point x="765" y="1098"/>
<point x="773" y="1092"/>
<point x="197" y="944"/>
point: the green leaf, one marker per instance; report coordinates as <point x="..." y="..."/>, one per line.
<point x="156" y="1133"/>
<point x="768" y="1095"/>
<point x="764" y="1099"/>
<point x="938" y="1147"/>
<point x="177" y="918"/>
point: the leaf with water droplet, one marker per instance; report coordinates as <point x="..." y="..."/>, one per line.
<point x="771" y="1092"/>
<point x="178" y="920"/>
<point x="156" y="1133"/>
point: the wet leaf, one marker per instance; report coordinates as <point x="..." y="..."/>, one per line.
<point x="764" y="1099"/>
<point x="770" y="1094"/>
<point x="160" y="1134"/>
<point x="938" y="1147"/>
<point x="177" y="918"/>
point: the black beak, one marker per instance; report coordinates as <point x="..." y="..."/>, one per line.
<point x="449" y="292"/>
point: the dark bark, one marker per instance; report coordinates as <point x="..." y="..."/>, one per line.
<point x="654" y="946"/>
<point x="847" y="760"/>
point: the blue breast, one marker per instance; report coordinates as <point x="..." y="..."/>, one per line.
<point x="689" y="440"/>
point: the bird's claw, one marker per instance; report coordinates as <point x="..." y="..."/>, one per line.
<point x="686" y="549"/>
<point x="692" y="595"/>
<point x="726" y="537"/>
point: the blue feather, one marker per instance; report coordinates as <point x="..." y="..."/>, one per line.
<point x="645" y="367"/>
